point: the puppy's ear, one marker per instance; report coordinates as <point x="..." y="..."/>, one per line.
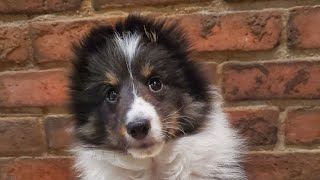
<point x="97" y="37"/>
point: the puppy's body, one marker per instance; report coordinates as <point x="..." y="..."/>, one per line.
<point x="144" y="111"/>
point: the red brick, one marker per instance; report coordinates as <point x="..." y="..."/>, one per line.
<point x="21" y="6"/>
<point x="293" y="166"/>
<point x="257" y="124"/>
<point x="58" y="131"/>
<point x="13" y="42"/>
<point x="3" y="168"/>
<point x="210" y="71"/>
<point x="33" y="88"/>
<point x="304" y="28"/>
<point x="21" y="136"/>
<point x="303" y="126"/>
<point x="245" y="31"/>
<point x="272" y="80"/>
<point x="99" y="4"/>
<point x="61" y="5"/>
<point x="53" y="39"/>
<point x="40" y="169"/>
<point x="37" y="6"/>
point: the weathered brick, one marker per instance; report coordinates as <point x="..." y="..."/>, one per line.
<point x="13" y="42"/>
<point x="53" y="39"/>
<point x="3" y="168"/>
<point x="37" y="6"/>
<point x="58" y="131"/>
<point x="304" y="28"/>
<point x="36" y="169"/>
<point x="21" y="136"/>
<point x="62" y="5"/>
<point x="20" y="6"/>
<point x="272" y="80"/>
<point x="292" y="166"/>
<point x="210" y="71"/>
<point x="245" y="31"/>
<point x="258" y="124"/>
<point x="33" y="88"/>
<point x="99" y="4"/>
<point x="303" y="126"/>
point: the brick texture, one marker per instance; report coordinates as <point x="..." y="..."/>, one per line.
<point x="13" y="43"/>
<point x="39" y="169"/>
<point x="271" y="80"/>
<point x="210" y="71"/>
<point x="37" y="6"/>
<point x="304" y="28"/>
<point x="293" y="166"/>
<point x="21" y="136"/>
<point x="53" y="40"/>
<point x="3" y="168"/>
<point x="303" y="126"/>
<point x="33" y="88"/>
<point x="58" y="130"/>
<point x="99" y="4"/>
<point x="258" y="124"/>
<point x="238" y="31"/>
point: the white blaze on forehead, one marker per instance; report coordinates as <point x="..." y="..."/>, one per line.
<point x="128" y="43"/>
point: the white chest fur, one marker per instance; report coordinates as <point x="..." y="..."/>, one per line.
<point x="214" y="153"/>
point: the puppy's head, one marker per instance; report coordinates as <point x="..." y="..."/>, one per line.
<point x="133" y="87"/>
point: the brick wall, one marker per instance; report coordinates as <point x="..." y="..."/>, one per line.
<point x="265" y="55"/>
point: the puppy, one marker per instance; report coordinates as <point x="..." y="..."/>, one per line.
<point x="143" y="109"/>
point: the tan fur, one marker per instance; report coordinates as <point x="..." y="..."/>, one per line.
<point x="122" y="130"/>
<point x="112" y="79"/>
<point x="146" y="71"/>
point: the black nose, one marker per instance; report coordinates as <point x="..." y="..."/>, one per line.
<point x="138" y="129"/>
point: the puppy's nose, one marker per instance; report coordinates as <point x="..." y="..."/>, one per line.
<point x="138" y="129"/>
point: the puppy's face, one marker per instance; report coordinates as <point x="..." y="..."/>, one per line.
<point x="133" y="88"/>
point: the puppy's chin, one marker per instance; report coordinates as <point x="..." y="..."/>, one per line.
<point x="146" y="152"/>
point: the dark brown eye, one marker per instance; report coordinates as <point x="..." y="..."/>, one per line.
<point x="155" y="84"/>
<point x="112" y="95"/>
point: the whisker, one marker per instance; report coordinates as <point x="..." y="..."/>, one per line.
<point x="163" y="134"/>
<point x="176" y="128"/>
<point x="188" y="117"/>
<point x="169" y="133"/>
<point x="166" y="118"/>
<point x="174" y="112"/>
<point x="188" y="121"/>
<point x="170" y="115"/>
<point x="173" y="135"/>
<point x="177" y="123"/>
<point x="168" y="122"/>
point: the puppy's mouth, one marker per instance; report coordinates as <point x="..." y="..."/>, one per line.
<point x="145" y="150"/>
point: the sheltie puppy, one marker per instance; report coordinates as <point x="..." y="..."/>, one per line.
<point x="145" y="111"/>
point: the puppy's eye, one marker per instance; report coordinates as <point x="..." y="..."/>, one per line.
<point x="112" y="95"/>
<point x="155" y="84"/>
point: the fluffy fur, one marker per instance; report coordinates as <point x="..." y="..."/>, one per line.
<point x="139" y="71"/>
